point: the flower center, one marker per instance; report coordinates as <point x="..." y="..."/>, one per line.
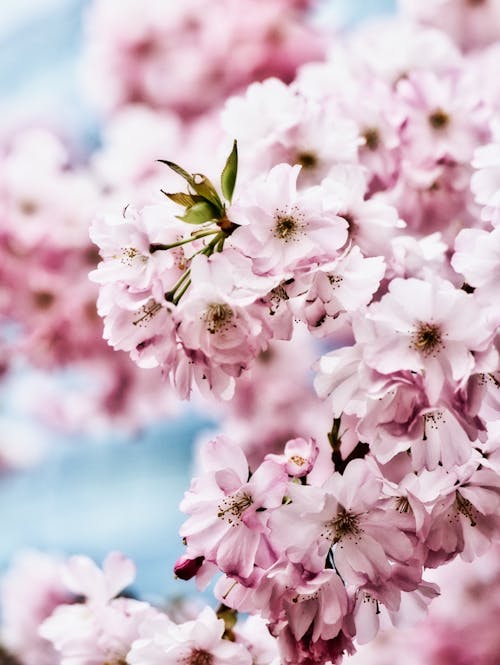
<point x="232" y="507"/>
<point x="344" y="524"/>
<point x="308" y="160"/>
<point x="427" y="338"/>
<point x="28" y="207"/>
<point x="43" y="299"/>
<point x="130" y="255"/>
<point x="200" y="657"/>
<point x="285" y="227"/>
<point x="439" y="119"/>
<point x="372" y="138"/>
<point x="403" y="505"/>
<point x="287" y="224"/>
<point x="465" y="507"/>
<point x="432" y="420"/>
<point x="217" y="317"/>
<point x="335" y="280"/>
<point x="147" y="312"/>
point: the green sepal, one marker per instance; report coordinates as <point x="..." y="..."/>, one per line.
<point x="183" y="199"/>
<point x="229" y="173"/>
<point x="177" y="169"/>
<point x="199" y="183"/>
<point x="199" y="213"/>
<point x="203" y="187"/>
<point x="230" y="618"/>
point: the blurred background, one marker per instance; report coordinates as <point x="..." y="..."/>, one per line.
<point x="64" y="487"/>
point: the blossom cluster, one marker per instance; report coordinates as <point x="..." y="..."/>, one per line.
<point x="150" y="53"/>
<point x="203" y="304"/>
<point x="49" y="191"/>
<point x="351" y="213"/>
<point x="446" y="635"/>
<point x="73" y="612"/>
<point x="45" y="205"/>
<point x="359" y="205"/>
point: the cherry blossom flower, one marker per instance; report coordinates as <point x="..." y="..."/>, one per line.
<point x="128" y="60"/>
<point x="103" y="628"/>
<point x="421" y="327"/>
<point x="281" y="228"/>
<point x="228" y="528"/>
<point x="30" y="591"/>
<point x="197" y="642"/>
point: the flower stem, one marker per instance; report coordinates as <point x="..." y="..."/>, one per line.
<point x="156" y="246"/>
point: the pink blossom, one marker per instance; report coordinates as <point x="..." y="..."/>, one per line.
<point x="343" y="517"/>
<point x="371" y="223"/>
<point x="477" y="258"/>
<point x="465" y="518"/>
<point x="129" y="60"/>
<point x="470" y="23"/>
<point x="345" y="285"/>
<point x="103" y="628"/>
<point x="220" y="317"/>
<point x="194" y="642"/>
<point x="225" y="524"/>
<point x="275" y="123"/>
<point x="298" y="458"/>
<point x="281" y="228"/>
<point x="30" y="591"/>
<point x="423" y="327"/>
<point x="485" y="182"/>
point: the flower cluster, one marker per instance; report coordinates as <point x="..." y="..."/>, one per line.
<point x="76" y="613"/>
<point x="45" y="205"/>
<point x="354" y="215"/>
<point x="447" y="635"/>
<point x="203" y="304"/>
<point x="359" y="204"/>
<point x="151" y="53"/>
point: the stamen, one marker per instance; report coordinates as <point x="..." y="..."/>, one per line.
<point x="439" y="119"/>
<point x="148" y="312"/>
<point x="218" y="317"/>
<point x="27" y="207"/>
<point x="372" y="138"/>
<point x="427" y="339"/>
<point x="465" y="507"/>
<point x="308" y="160"/>
<point x="434" y="420"/>
<point x="200" y="657"/>
<point x="335" y="280"/>
<point x="345" y="524"/>
<point x="403" y="505"/>
<point x="288" y="224"/>
<point x="43" y="299"/>
<point x="129" y="255"/>
<point x="233" y="506"/>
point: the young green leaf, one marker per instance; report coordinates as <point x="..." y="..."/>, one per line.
<point x="202" y="186"/>
<point x="178" y="169"/>
<point x="182" y="199"/>
<point x="199" y="213"/>
<point x="229" y="173"/>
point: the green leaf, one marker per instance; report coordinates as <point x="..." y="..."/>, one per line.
<point x="178" y="169"/>
<point x="229" y="173"/>
<point x="199" y="213"/>
<point x="183" y="199"/>
<point x="202" y="186"/>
